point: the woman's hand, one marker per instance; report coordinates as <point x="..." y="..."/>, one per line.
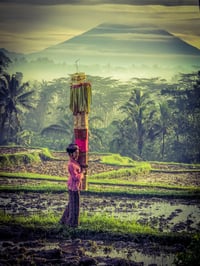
<point x="83" y="171"/>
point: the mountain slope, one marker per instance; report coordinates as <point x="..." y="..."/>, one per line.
<point x="123" y="44"/>
<point x="119" y="51"/>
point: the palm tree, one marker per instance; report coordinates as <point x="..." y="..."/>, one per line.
<point x="95" y="134"/>
<point x="4" y="61"/>
<point x="122" y="140"/>
<point x="14" y="100"/>
<point x="139" y="109"/>
<point x="64" y="126"/>
<point x="162" y="126"/>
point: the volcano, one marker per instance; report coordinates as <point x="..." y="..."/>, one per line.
<point x="115" y="50"/>
<point x="121" y="45"/>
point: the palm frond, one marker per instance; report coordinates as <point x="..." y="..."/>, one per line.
<point x="64" y="124"/>
<point x="26" y="105"/>
<point x="4" y="81"/>
<point x="54" y="128"/>
<point x="13" y="84"/>
<point x="25" y="95"/>
<point x="3" y="92"/>
<point x="95" y="119"/>
<point x="21" y="88"/>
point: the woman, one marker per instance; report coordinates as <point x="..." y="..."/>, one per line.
<point x="71" y="213"/>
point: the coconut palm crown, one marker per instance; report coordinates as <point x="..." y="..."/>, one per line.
<point x="14" y="101"/>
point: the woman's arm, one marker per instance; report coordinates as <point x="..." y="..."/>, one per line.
<point x="75" y="172"/>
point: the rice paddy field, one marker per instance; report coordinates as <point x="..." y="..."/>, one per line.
<point x="133" y="213"/>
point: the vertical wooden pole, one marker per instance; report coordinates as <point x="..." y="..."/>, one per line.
<point x="80" y="98"/>
<point x="81" y="139"/>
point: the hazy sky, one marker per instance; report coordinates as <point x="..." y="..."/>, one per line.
<point x="32" y="25"/>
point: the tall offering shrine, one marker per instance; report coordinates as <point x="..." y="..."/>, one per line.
<point x="80" y="100"/>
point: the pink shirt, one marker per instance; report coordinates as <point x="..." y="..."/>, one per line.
<point x="75" y="175"/>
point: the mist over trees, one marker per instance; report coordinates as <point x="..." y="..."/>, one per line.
<point x="144" y="118"/>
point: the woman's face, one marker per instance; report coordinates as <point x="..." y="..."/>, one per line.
<point x="75" y="154"/>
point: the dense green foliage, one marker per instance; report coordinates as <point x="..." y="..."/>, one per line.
<point x="145" y="119"/>
<point x="14" y="102"/>
<point x="162" y="121"/>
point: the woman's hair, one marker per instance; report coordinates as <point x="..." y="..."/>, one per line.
<point x="72" y="148"/>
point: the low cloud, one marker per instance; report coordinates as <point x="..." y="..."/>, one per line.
<point x="37" y="24"/>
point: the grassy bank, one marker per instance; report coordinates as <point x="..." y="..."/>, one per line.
<point x="102" y="185"/>
<point x="94" y="227"/>
<point x="46" y="227"/>
<point x="25" y="157"/>
<point x="89" y="224"/>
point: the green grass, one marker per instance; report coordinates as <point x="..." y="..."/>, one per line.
<point x="122" y="173"/>
<point x="34" y="176"/>
<point x="45" y="219"/>
<point x="116" y="159"/>
<point x="95" y="222"/>
<point x="117" y="182"/>
<point x="105" y="190"/>
<point x="19" y="158"/>
<point x="99" y="226"/>
<point x="189" y="165"/>
<point x="43" y="187"/>
<point x="144" y="191"/>
<point x="100" y="179"/>
<point x="25" y="157"/>
<point x="99" y="185"/>
<point x="92" y="226"/>
<point x="102" y="222"/>
<point x="177" y="171"/>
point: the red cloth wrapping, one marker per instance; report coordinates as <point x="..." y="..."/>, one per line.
<point x="83" y="144"/>
<point x="83" y="159"/>
<point x="81" y="139"/>
<point x="81" y="133"/>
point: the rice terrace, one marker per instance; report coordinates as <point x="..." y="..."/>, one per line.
<point x="133" y="213"/>
<point x="99" y="133"/>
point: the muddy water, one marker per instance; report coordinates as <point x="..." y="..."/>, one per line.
<point x="165" y="215"/>
<point x="126" y="250"/>
<point x="99" y="250"/>
<point x="177" y="215"/>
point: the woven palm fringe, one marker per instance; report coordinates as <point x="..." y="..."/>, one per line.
<point x="81" y="121"/>
<point x="80" y="98"/>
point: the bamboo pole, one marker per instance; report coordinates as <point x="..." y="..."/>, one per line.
<point x="80" y="100"/>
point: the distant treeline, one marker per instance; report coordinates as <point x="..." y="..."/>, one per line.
<point x="145" y="118"/>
